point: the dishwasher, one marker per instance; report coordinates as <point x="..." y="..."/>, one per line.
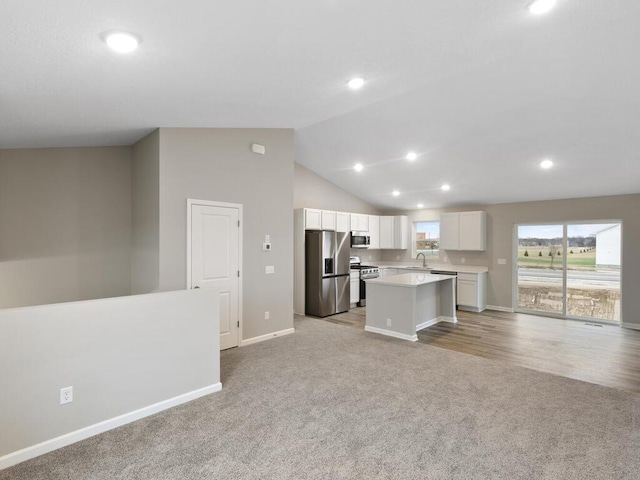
<point x="453" y="274"/>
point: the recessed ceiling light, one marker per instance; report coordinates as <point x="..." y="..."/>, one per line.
<point x="122" y="42"/>
<point x="396" y="193"/>
<point x="358" y="167"/>
<point x="356" y="83"/>
<point x="540" y="7"/>
<point x="420" y="205"/>
<point x="411" y="156"/>
<point x="446" y="187"/>
<point x="546" y="164"/>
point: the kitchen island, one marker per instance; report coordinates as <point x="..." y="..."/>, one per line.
<point x="401" y="305"/>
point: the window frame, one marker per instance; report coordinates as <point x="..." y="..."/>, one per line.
<point x="414" y="231"/>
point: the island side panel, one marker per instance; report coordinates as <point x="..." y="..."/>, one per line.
<point x="427" y="305"/>
<point x="448" y="300"/>
<point x="395" y="303"/>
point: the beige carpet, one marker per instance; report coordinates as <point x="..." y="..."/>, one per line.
<point x="335" y="402"/>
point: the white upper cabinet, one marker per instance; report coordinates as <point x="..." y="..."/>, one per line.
<point x="359" y="222"/>
<point x="312" y="219"/>
<point x="328" y="220"/>
<point x="449" y="231"/>
<point x="473" y="231"/>
<point x="343" y="222"/>
<point x="374" y="232"/>
<point x="386" y="232"/>
<point x="463" y="231"/>
<point x="394" y="232"/>
<point x="401" y="232"/>
<point x="390" y="232"/>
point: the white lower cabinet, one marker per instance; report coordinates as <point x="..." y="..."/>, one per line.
<point x="354" y="288"/>
<point x="472" y="291"/>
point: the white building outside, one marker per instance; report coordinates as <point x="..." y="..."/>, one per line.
<point x="608" y="243"/>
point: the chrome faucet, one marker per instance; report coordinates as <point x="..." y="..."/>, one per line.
<point x="424" y="259"/>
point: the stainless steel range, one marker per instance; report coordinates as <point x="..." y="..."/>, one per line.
<point x="366" y="272"/>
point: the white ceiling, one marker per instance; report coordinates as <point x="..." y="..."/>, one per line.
<point x="481" y="89"/>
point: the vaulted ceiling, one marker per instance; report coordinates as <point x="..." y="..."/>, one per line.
<point x="481" y="91"/>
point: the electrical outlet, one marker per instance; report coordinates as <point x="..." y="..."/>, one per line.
<point x="463" y="260"/>
<point x="269" y="269"/>
<point x="267" y="239"/>
<point x="266" y="315"/>
<point x="388" y="322"/>
<point x="66" y="395"/>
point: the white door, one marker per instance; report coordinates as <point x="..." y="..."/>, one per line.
<point x="215" y="262"/>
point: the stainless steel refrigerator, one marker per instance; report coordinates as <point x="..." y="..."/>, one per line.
<point x="327" y="272"/>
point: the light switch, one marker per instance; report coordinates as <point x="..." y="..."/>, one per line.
<point x="269" y="269"/>
<point x="267" y="238"/>
<point x="257" y="148"/>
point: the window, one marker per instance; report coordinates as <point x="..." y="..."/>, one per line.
<point x="426" y="238"/>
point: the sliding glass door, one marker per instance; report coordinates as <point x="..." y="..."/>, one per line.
<point x="570" y="270"/>
<point x="540" y="268"/>
<point x="593" y="271"/>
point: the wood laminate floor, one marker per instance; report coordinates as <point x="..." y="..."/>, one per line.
<point x="605" y="355"/>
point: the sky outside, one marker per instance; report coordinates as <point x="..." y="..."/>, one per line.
<point x="555" y="231"/>
<point x="432" y="229"/>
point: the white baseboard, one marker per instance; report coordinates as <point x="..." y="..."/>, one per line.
<point x="268" y="336"/>
<point x="47" y="446"/>
<point x="500" y="309"/>
<point x="634" y="326"/>
<point x="433" y="321"/>
<point x="428" y="323"/>
<point x="389" y="333"/>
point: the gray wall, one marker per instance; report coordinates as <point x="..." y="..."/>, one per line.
<point x="500" y="225"/>
<point x="145" y="211"/>
<point x="310" y="190"/>
<point x="65" y="224"/>
<point x="119" y="354"/>
<point x="313" y="191"/>
<point x="217" y="165"/>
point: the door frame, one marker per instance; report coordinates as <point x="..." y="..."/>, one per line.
<point x="208" y="203"/>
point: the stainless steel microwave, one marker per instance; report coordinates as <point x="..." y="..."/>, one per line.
<point x="360" y="240"/>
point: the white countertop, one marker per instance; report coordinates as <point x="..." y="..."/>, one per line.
<point x="435" y="266"/>
<point x="411" y="280"/>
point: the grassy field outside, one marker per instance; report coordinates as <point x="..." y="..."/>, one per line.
<point x="575" y="260"/>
